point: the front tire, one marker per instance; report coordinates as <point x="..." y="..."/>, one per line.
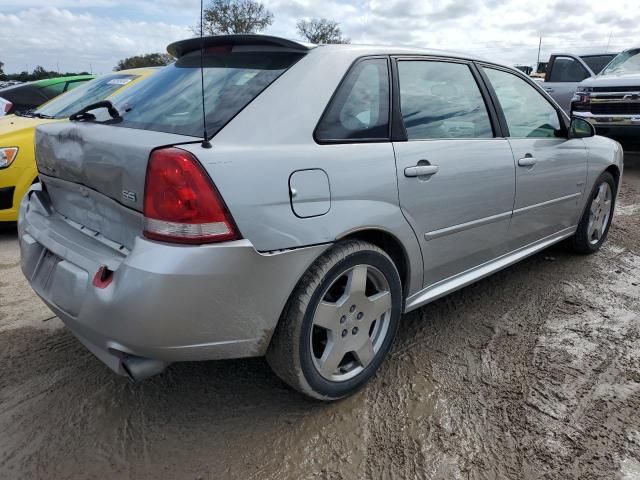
<point x="339" y="323"/>
<point x="595" y="222"/>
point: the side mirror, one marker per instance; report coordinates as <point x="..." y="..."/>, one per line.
<point x="580" y="128"/>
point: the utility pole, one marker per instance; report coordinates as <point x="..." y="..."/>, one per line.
<point x="539" y="47"/>
<point x="609" y="42"/>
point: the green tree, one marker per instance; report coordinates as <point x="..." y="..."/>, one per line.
<point x="321" y="30"/>
<point x="146" y="60"/>
<point x="40" y="73"/>
<point x="234" y="16"/>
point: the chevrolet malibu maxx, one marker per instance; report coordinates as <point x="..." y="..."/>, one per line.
<point x="327" y="190"/>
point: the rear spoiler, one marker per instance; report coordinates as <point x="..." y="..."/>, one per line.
<point x="182" y="47"/>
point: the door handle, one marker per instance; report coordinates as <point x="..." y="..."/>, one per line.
<point x="548" y="89"/>
<point x="421" y="170"/>
<point x="527" y="162"/>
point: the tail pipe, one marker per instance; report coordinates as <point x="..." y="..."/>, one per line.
<point x="139" y="368"/>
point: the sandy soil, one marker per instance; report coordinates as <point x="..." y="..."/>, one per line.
<point x="533" y="373"/>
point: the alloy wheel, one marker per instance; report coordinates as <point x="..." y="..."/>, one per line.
<point x="350" y="323"/>
<point x="599" y="213"/>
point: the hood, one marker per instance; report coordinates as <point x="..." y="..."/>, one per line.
<point x="625" y="80"/>
<point x="15" y="124"/>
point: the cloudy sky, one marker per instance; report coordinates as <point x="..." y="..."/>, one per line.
<point x="73" y="35"/>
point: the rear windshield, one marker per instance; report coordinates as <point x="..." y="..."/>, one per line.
<point x="597" y="62"/>
<point x="171" y="101"/>
<point x="29" y="95"/>
<point x="86" y="94"/>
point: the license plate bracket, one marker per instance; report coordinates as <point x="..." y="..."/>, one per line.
<point x="44" y="269"/>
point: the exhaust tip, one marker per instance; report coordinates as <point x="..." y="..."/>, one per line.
<point x="139" y="368"/>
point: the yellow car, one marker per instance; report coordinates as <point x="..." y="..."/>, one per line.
<point x="17" y="153"/>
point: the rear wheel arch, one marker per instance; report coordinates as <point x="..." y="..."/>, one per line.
<point x="392" y="246"/>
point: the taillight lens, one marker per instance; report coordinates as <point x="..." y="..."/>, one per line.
<point x="5" y="105"/>
<point x="181" y="204"/>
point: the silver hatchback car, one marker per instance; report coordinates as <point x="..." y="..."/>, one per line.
<point x="337" y="187"/>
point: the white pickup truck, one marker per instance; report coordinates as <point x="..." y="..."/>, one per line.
<point x="611" y="100"/>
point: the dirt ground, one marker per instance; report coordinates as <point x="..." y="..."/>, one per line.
<point x="532" y="373"/>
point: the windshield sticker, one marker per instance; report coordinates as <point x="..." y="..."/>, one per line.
<point x="119" y="81"/>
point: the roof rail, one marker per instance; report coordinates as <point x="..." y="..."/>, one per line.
<point x="182" y="47"/>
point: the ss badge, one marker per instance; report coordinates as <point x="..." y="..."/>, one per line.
<point x="127" y="195"/>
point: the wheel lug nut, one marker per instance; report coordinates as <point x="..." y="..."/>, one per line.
<point x="352" y="309"/>
<point x="344" y="333"/>
<point x="355" y="330"/>
<point x="343" y="319"/>
<point x="360" y="315"/>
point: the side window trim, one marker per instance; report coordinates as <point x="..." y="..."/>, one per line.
<point x="398" y="130"/>
<point x="564" y="121"/>
<point x="344" y="78"/>
<point x="399" y="133"/>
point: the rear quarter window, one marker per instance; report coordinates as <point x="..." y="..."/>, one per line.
<point x="171" y="100"/>
<point x="359" y="110"/>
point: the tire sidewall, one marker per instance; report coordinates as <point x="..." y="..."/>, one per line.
<point x="317" y="383"/>
<point x="604" y="178"/>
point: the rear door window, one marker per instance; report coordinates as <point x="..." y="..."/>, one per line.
<point x="567" y="69"/>
<point x="597" y="62"/>
<point x="171" y="100"/>
<point x="359" y="110"/>
<point x="73" y="84"/>
<point x="52" y="91"/>
<point x="441" y="100"/>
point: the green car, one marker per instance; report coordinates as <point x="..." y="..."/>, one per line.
<point x="28" y="96"/>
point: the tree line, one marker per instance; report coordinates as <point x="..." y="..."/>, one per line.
<point x="38" y="73"/>
<point x="220" y="17"/>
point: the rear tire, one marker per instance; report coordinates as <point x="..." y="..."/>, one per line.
<point x="339" y="322"/>
<point x="596" y="219"/>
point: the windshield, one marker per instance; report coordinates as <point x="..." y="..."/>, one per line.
<point x="626" y="62"/>
<point x="171" y="101"/>
<point x="86" y="94"/>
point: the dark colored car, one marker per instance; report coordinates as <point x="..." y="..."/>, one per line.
<point x="28" y="96"/>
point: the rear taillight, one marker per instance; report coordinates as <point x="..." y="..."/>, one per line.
<point x="5" y="105"/>
<point x="181" y="204"/>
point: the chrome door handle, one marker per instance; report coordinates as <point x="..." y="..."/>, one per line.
<point x="548" y="89"/>
<point x="421" y="170"/>
<point x="527" y="162"/>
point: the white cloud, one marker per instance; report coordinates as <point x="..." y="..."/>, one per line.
<point x="77" y="33"/>
<point x="49" y="36"/>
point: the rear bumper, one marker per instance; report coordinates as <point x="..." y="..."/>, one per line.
<point x="169" y="303"/>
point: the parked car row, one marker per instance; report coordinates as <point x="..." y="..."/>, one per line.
<point x="266" y="197"/>
<point x="9" y="83"/>
<point x="28" y="96"/>
<point x="17" y="156"/>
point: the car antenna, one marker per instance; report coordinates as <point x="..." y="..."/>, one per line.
<point x="205" y="136"/>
